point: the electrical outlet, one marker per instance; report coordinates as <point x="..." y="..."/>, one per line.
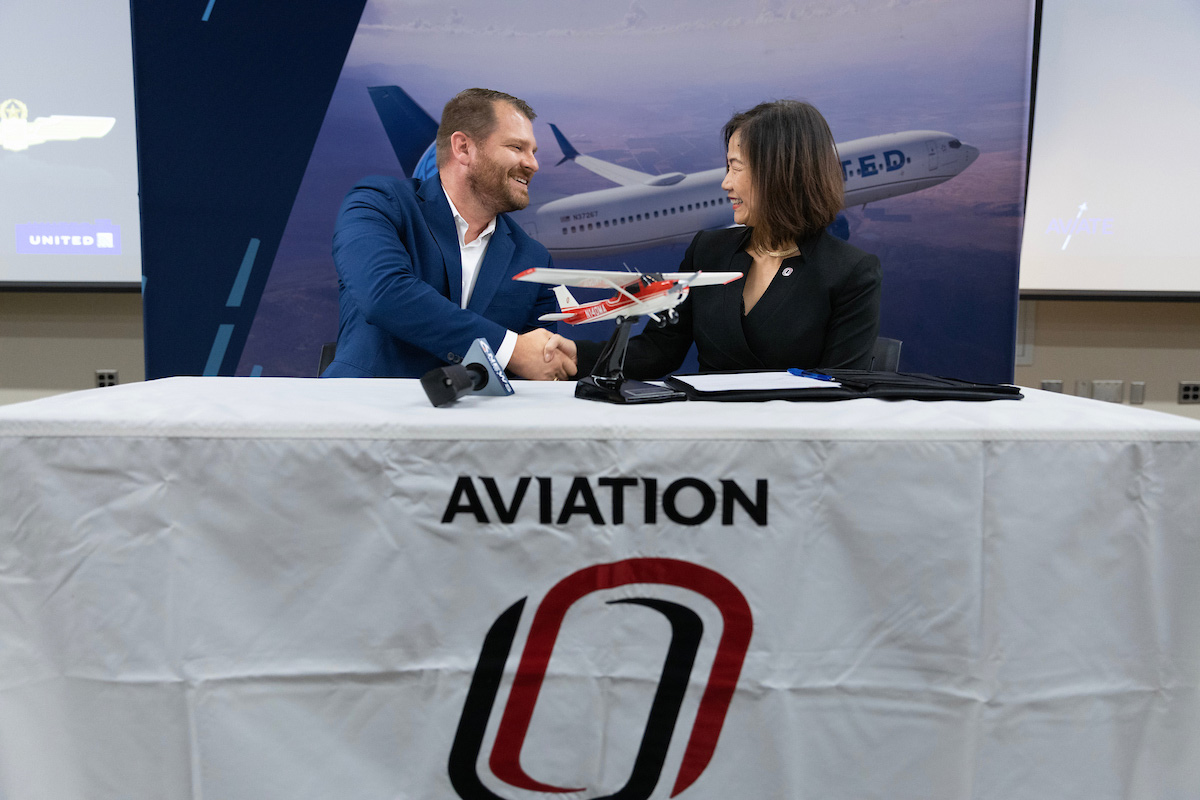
<point x="1189" y="391"/>
<point x="1109" y="391"/>
<point x="1137" y="393"/>
<point x="106" y="377"/>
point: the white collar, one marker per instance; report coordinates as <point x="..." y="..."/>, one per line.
<point x="462" y="225"/>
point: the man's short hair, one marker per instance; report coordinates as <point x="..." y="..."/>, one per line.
<point x="473" y="111"/>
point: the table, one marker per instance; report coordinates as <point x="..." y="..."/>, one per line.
<point x="284" y="588"/>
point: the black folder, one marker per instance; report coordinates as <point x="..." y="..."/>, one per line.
<point x="861" y="383"/>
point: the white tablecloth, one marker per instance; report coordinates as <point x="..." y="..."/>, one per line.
<point x="278" y="588"/>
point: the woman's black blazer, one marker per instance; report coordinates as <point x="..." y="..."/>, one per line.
<point x="820" y="310"/>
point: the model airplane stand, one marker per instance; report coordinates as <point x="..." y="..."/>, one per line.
<point x="608" y="383"/>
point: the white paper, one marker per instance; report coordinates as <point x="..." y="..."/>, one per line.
<point x="754" y="381"/>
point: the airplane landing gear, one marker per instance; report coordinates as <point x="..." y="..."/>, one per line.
<point x="668" y="318"/>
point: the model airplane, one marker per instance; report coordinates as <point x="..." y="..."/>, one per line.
<point x="653" y="294"/>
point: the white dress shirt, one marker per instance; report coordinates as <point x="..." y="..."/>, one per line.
<point x="471" y="254"/>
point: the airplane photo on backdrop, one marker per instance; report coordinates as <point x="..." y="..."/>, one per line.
<point x="646" y="210"/>
<point x="637" y="294"/>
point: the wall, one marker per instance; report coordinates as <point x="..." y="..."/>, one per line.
<point x="1155" y="342"/>
<point x="52" y="342"/>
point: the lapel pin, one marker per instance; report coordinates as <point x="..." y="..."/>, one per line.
<point x="787" y="271"/>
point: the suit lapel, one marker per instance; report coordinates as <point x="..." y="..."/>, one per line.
<point x="494" y="268"/>
<point x="735" y="334"/>
<point x="440" y="222"/>
<point x="730" y="314"/>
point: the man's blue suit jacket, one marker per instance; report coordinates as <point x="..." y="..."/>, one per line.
<point x="400" y="282"/>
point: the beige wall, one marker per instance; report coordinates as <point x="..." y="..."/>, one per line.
<point x="55" y="342"/>
<point x="52" y="342"/>
<point x="1155" y="342"/>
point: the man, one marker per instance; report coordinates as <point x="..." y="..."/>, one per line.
<point x="425" y="267"/>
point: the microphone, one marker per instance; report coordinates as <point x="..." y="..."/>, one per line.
<point x="478" y="373"/>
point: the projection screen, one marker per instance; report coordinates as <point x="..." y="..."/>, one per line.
<point x="68" y="146"/>
<point x="1109" y="211"/>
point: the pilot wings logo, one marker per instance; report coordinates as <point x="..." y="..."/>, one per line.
<point x="18" y="133"/>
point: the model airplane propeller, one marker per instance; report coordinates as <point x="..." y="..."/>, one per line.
<point x="654" y="294"/>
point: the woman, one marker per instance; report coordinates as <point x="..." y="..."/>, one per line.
<point x="806" y="298"/>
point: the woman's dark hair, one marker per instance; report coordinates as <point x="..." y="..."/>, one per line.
<point x="794" y="169"/>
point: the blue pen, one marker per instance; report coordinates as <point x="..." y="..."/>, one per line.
<point x="805" y="373"/>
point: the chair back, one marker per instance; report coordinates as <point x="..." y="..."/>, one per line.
<point x="328" y="351"/>
<point x="885" y="356"/>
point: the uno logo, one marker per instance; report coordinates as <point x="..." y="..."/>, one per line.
<point x="687" y="630"/>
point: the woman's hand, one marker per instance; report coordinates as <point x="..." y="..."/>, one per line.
<point x="561" y="347"/>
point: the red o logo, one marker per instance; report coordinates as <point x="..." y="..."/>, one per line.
<point x="687" y="632"/>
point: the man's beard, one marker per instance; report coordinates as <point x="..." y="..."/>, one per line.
<point x="489" y="183"/>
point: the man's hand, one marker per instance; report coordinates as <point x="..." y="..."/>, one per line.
<point x="535" y="359"/>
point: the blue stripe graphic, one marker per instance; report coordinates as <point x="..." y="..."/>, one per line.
<point x="257" y="371"/>
<point x="208" y="10"/>
<point x="217" y="354"/>
<point x="243" y="276"/>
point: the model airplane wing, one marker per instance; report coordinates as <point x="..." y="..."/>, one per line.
<point x="586" y="278"/>
<point x="608" y="279"/>
<point x="613" y="172"/>
<point x="68" y="128"/>
<point x="702" y="278"/>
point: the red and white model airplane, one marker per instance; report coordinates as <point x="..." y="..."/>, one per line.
<point x="637" y="294"/>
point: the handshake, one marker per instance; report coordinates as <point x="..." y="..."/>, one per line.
<point x="543" y="356"/>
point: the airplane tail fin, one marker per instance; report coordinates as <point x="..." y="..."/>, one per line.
<point x="408" y="127"/>
<point x="569" y="152"/>
<point x="565" y="298"/>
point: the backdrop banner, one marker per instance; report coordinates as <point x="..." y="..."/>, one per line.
<point x="226" y="119"/>
<point x="928" y="101"/>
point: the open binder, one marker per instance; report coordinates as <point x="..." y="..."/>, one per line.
<point x="848" y="384"/>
